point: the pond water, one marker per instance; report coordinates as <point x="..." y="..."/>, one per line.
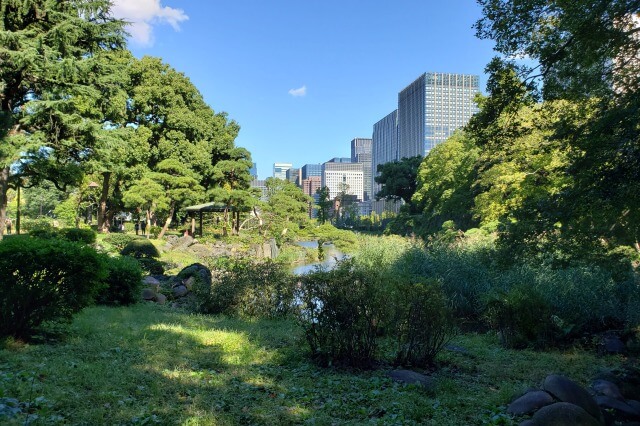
<point x="331" y="256"/>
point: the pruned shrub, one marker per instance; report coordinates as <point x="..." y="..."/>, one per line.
<point x="248" y="288"/>
<point x="43" y="280"/>
<point x="140" y="248"/>
<point x="124" y="282"/>
<point x="423" y="322"/>
<point x="150" y="266"/>
<point x="342" y="312"/>
<point x="119" y="240"/>
<point x="79" y="235"/>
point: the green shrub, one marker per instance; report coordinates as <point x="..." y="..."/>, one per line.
<point x="36" y="225"/>
<point x="342" y="312"/>
<point x="119" y="240"/>
<point x="150" y="266"/>
<point x="124" y="282"/>
<point x="423" y="322"/>
<point x="521" y="316"/>
<point x="43" y="280"/>
<point x="79" y="235"/>
<point x="140" y="248"/>
<point x="252" y="289"/>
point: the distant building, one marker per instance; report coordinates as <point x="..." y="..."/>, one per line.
<point x="431" y="108"/>
<point x="340" y="160"/>
<point x="294" y="176"/>
<point x="280" y="170"/>
<point x="343" y="177"/>
<point x="361" y="153"/>
<point x="310" y="185"/>
<point x="309" y="170"/>
<point x="253" y="171"/>
<point x="260" y="184"/>
<point x="384" y="149"/>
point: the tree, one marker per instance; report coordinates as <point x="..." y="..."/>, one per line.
<point x="587" y="54"/>
<point x="46" y="54"/>
<point x="445" y="181"/>
<point x="287" y="207"/>
<point x="324" y="204"/>
<point x="398" y="179"/>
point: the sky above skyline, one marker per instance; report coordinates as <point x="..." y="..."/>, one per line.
<point x="303" y="78"/>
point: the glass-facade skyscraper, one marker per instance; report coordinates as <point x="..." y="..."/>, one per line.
<point x="280" y="170"/>
<point x="431" y="108"/>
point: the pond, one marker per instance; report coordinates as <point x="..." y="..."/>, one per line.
<point x="331" y="256"/>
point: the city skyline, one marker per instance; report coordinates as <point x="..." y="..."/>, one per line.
<point x="302" y="79"/>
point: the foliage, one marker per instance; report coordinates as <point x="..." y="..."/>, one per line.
<point x="445" y="180"/>
<point x="118" y="240"/>
<point x="78" y="235"/>
<point x="251" y="289"/>
<point x="150" y="266"/>
<point x="398" y="179"/>
<point x="422" y="322"/>
<point x="324" y="204"/>
<point x="45" y="280"/>
<point x="286" y="210"/>
<point x="345" y="241"/>
<point x="124" y="282"/>
<point x="342" y="312"/>
<point x="41" y="200"/>
<point x="520" y="315"/>
<point x="140" y="248"/>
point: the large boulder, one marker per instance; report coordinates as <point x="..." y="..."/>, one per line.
<point x="563" y="414"/>
<point x="201" y="273"/>
<point x="607" y="388"/>
<point x="529" y="402"/>
<point x="567" y="390"/>
<point x="412" y="378"/>
<point x="148" y="294"/>
<point x="180" y="291"/>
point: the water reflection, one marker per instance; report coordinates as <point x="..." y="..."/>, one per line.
<point x="331" y="256"/>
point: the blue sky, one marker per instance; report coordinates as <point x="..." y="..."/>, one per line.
<point x="303" y="78"/>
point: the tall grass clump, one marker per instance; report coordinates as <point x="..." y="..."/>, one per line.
<point x="248" y="288"/>
<point x="376" y="296"/>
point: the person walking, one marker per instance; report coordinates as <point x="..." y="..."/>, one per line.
<point x="136" y="226"/>
<point x="143" y="226"/>
<point x="8" y="225"/>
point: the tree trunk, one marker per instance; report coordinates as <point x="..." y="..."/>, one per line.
<point x="103" y="221"/>
<point x="168" y="221"/>
<point x="147" y="229"/>
<point x="4" y="187"/>
<point x="18" y="212"/>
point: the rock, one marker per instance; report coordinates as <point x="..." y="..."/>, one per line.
<point x="188" y="283"/>
<point x="184" y="242"/>
<point x="620" y="406"/>
<point x="412" y="378"/>
<point x="563" y="414"/>
<point x="568" y="391"/>
<point x="528" y="423"/>
<point x="148" y="294"/>
<point x="161" y="299"/>
<point x="529" y="402"/>
<point x="634" y="404"/>
<point x="199" y="271"/>
<point x="606" y="388"/>
<point x="613" y="345"/>
<point x="151" y="282"/>
<point x="200" y="250"/>
<point x="180" y="291"/>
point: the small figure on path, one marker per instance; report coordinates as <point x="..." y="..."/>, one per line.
<point x="136" y="226"/>
<point x="8" y="225"/>
<point x="143" y="227"/>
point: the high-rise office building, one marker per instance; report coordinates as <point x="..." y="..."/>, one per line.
<point x="343" y="177"/>
<point x="309" y="170"/>
<point x="253" y="171"/>
<point x="384" y="149"/>
<point x="431" y="108"/>
<point x="361" y="153"/>
<point x="280" y="170"/>
<point x="340" y="160"/>
<point x="294" y="175"/>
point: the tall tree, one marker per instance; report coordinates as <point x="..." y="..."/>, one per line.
<point x="324" y="204"/>
<point x="398" y="179"/>
<point x="47" y="49"/>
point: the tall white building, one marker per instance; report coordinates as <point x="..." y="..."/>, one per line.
<point x="280" y="170"/>
<point x="347" y="177"/>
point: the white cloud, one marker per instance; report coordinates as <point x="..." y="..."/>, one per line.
<point x="143" y="14"/>
<point x="301" y="91"/>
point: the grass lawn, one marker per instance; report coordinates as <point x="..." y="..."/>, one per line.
<point x="149" y="364"/>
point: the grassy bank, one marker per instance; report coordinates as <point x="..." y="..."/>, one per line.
<point x="150" y="365"/>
